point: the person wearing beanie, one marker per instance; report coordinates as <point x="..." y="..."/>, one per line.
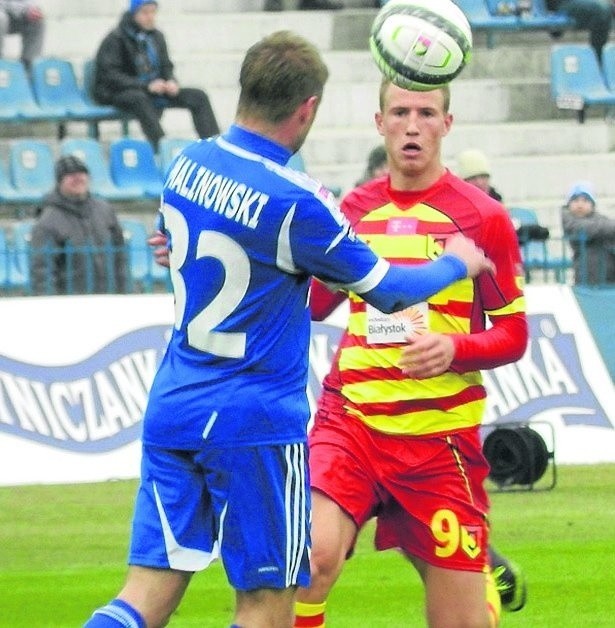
<point x="473" y="167"/>
<point x="133" y="72"/>
<point x="591" y="236"/>
<point x="26" y="19"/>
<point x="135" y="5"/>
<point x="77" y="238"/>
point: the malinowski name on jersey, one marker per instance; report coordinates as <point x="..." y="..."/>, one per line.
<point x="232" y="199"/>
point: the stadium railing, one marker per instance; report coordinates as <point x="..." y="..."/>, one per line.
<point x="16" y="253"/>
<point x="552" y="259"/>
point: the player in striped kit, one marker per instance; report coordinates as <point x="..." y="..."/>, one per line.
<point x="396" y="431"/>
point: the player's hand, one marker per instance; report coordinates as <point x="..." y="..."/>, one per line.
<point x="473" y="257"/>
<point x="161" y="250"/>
<point x="427" y="355"/>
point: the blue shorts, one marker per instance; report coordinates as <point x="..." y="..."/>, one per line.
<point x="249" y="506"/>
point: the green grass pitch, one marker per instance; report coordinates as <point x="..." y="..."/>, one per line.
<point x="62" y="553"/>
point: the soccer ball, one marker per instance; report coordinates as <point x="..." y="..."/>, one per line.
<point x="421" y="44"/>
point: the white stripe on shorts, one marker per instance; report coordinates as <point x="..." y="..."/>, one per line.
<point x="295" y="501"/>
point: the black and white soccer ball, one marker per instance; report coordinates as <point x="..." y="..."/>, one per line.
<point x="421" y="44"/>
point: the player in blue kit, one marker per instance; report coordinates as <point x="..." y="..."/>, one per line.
<point x="224" y="434"/>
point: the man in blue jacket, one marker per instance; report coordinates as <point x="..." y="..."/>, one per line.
<point x="135" y="74"/>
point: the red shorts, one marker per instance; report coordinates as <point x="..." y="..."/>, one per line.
<point x="427" y="492"/>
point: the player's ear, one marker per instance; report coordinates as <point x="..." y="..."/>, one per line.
<point x="378" y="118"/>
<point x="310" y="106"/>
<point x="448" y="123"/>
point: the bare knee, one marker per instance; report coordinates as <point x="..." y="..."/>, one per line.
<point x="155" y="593"/>
<point x="266" y="608"/>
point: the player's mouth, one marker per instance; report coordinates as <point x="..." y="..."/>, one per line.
<point x="411" y="148"/>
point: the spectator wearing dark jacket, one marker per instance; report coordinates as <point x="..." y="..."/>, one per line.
<point x="592" y="236"/>
<point x="135" y="74"/>
<point x="77" y="241"/>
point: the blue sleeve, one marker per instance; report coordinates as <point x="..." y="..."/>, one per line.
<point x="403" y="286"/>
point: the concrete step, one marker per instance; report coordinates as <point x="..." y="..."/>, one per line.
<point x="523" y="179"/>
<point x="194" y="27"/>
<point x="211" y="33"/>
<point x="62" y="8"/>
<point x="499" y="140"/>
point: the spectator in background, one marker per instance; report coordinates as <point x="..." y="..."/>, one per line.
<point x="70" y="219"/>
<point x="135" y="74"/>
<point x="377" y="165"/>
<point x="473" y="167"/>
<point x="594" y="15"/>
<point x="26" y="19"/>
<point x="592" y="236"/>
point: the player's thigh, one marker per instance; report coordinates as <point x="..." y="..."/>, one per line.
<point x="342" y="459"/>
<point x="175" y="522"/>
<point x="333" y="534"/>
<point x="439" y="507"/>
<point x="264" y="528"/>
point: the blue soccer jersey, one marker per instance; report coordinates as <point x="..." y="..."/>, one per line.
<point x="246" y="234"/>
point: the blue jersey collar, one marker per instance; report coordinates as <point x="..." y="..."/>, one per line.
<point x="255" y="143"/>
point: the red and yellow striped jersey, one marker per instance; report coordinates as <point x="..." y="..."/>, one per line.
<point x="411" y="228"/>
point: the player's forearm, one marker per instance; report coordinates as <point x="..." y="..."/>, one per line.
<point x="403" y="286"/>
<point x="503" y="343"/>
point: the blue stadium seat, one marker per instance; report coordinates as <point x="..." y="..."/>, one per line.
<point x="168" y="149"/>
<point x="531" y="14"/>
<point x="17" y="102"/>
<point x="90" y="151"/>
<point x="132" y="163"/>
<point x="110" y="113"/>
<point x="4" y="260"/>
<point x="480" y="18"/>
<point x="577" y="81"/>
<point x="608" y="64"/>
<point x="140" y="256"/>
<point x="55" y="86"/>
<point x="535" y="253"/>
<point x="492" y="16"/>
<point x="8" y="194"/>
<point x="57" y="92"/>
<point x="541" y="18"/>
<point x="19" y="257"/>
<point x="31" y="167"/>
